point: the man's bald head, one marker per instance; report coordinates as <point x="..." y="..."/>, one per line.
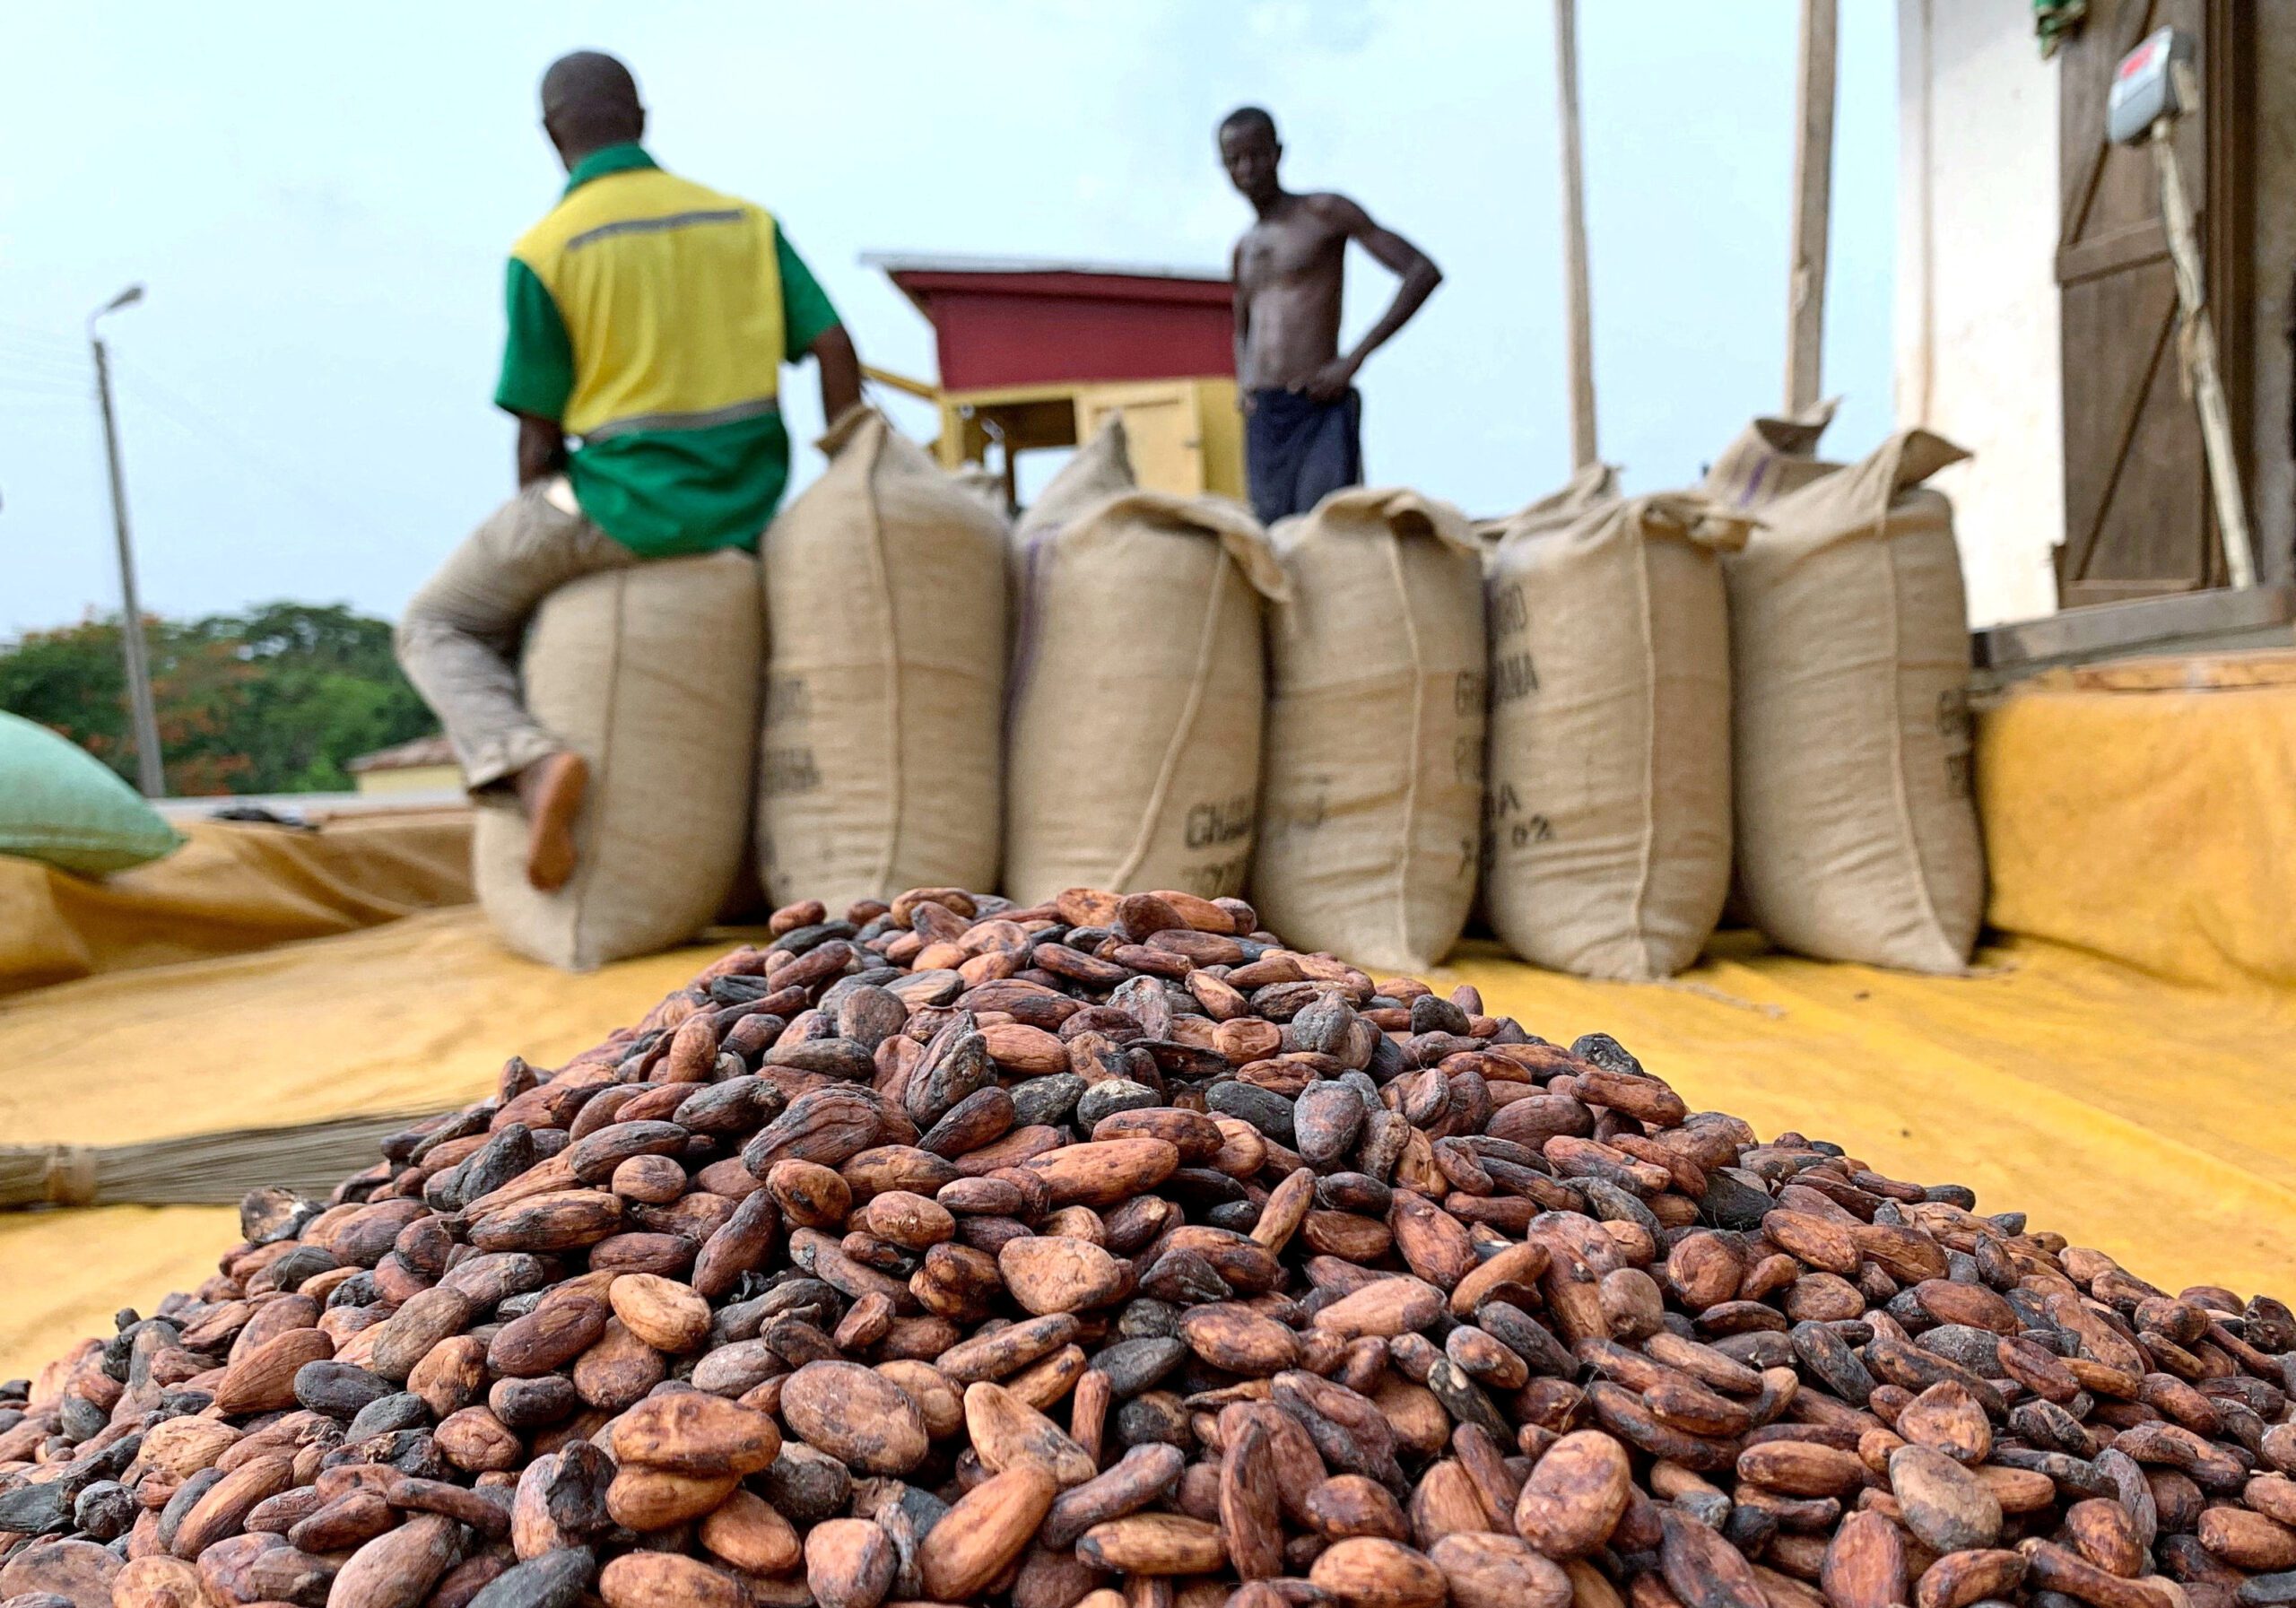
<point x="1255" y="119"/>
<point x="589" y="101"/>
<point x="1250" y="151"/>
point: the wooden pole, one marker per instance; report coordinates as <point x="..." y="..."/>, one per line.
<point x="1577" y="306"/>
<point x="1805" y="325"/>
<point x="2208" y="385"/>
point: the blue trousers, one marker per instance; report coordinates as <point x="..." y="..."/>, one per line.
<point x="1296" y="452"/>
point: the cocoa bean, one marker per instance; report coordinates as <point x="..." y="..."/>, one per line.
<point x="1349" y="1293"/>
<point x="398" y="1568"/>
<point x="856" y="1415"/>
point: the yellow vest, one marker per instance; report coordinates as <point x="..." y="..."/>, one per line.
<point x="671" y="295"/>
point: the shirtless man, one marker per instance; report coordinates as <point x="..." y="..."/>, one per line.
<point x="1302" y="415"/>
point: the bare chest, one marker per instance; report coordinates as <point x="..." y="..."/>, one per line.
<point x="1285" y="250"/>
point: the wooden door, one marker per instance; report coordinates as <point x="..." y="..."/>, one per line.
<point x="1159" y="429"/>
<point x="2137" y="517"/>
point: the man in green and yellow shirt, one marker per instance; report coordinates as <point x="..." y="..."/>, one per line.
<point x="649" y="320"/>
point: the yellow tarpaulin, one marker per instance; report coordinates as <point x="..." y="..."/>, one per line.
<point x="414" y="1016"/>
<point x="2132" y="814"/>
<point x="234" y="887"/>
<point x="2152" y="1121"/>
<point x="417" y="1015"/>
<point x="2148" y="812"/>
<point x="78" y="1268"/>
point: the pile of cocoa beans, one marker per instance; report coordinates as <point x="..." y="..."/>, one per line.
<point x="1106" y="1252"/>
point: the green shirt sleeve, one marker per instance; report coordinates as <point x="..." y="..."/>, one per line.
<point x="805" y="311"/>
<point x="538" y="357"/>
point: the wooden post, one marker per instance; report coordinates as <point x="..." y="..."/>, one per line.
<point x="1576" y="306"/>
<point x="2200" y="335"/>
<point x="1806" y="319"/>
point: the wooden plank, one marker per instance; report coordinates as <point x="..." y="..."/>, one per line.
<point x="1578" y="304"/>
<point x="2119" y="627"/>
<point x="2096" y="592"/>
<point x="2131" y="247"/>
<point x="1814" y="100"/>
<point x="2189" y="673"/>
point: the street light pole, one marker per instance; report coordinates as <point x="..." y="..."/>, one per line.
<point x="150" y="779"/>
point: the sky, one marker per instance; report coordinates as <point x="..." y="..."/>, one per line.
<point x="319" y="200"/>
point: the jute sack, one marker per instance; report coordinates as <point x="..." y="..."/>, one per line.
<point x="1592" y="486"/>
<point x="1771" y="457"/>
<point x="879" y="765"/>
<point x="1372" y="791"/>
<point x="989" y="486"/>
<point x="1857" y="832"/>
<point x="1609" y="792"/>
<point x="650" y="674"/>
<point x="1134" y="734"/>
<point x="1098" y="470"/>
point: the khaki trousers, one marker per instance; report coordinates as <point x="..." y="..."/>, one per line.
<point x="459" y="639"/>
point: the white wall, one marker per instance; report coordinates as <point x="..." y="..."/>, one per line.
<point x="1976" y="301"/>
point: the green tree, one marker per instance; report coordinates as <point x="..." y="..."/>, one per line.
<point x="324" y="688"/>
<point x="71" y="680"/>
<point x="273" y="700"/>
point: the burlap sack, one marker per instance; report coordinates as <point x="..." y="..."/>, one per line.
<point x="978" y="480"/>
<point x="879" y="765"/>
<point x="1100" y="469"/>
<point x="1133" y="742"/>
<point x="650" y="674"/>
<point x="1771" y="458"/>
<point x="1858" y="833"/>
<point x="1372" y="788"/>
<point x="1609" y="792"/>
<point x="1591" y="487"/>
<point x="1097" y="471"/>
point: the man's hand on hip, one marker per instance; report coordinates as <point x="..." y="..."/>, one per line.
<point x="1329" y="383"/>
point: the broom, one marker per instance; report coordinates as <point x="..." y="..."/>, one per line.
<point x="198" y="1169"/>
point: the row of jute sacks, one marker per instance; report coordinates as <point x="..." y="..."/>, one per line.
<point x="1360" y="719"/>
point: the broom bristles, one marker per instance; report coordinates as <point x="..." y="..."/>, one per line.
<point x="197" y="1169"/>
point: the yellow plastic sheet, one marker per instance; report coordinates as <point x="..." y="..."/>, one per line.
<point x="2141" y="814"/>
<point x="418" y="1015"/>
<point x="74" y="1270"/>
<point x="2151" y="1121"/>
<point x="2148" y="812"/>
<point x="234" y="887"/>
<point x="2154" y="1122"/>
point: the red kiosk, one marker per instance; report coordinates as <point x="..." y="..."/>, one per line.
<point x="1036" y="354"/>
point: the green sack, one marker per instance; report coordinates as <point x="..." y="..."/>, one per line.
<point x="63" y="806"/>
